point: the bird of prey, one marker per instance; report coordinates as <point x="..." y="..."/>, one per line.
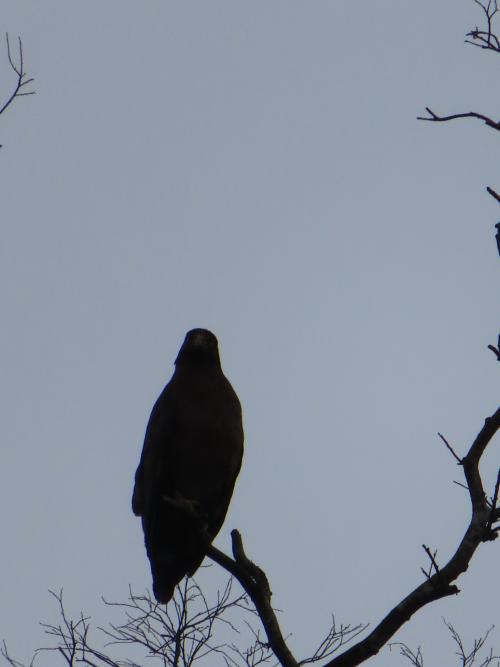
<point x="190" y="460"/>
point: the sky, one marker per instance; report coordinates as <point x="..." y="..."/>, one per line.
<point x="256" y="169"/>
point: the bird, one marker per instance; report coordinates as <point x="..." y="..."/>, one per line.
<point x="191" y="457"/>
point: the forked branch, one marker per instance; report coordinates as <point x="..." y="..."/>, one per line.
<point x="18" y="68"/>
<point x="485" y="39"/>
<point x="436" y="586"/>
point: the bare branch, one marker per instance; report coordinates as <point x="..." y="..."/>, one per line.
<point x="440" y="584"/>
<point x="19" y="71"/>
<point x="334" y="640"/>
<point x="415" y="657"/>
<point x="494" y="194"/>
<point x="494" y="500"/>
<point x="177" y="636"/>
<point x="14" y="663"/>
<point x="497" y="236"/>
<point x="466" y="658"/>
<point x="432" y="558"/>
<point x="485" y="39"/>
<point x="254" y="582"/>
<point x="470" y="114"/>
<point x="437" y="586"/>
<point x="450" y="448"/>
<point x="496" y="350"/>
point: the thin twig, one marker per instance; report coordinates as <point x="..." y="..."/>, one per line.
<point x="432" y="557"/>
<point x="494" y="501"/>
<point x="494" y="194"/>
<point x="450" y="448"/>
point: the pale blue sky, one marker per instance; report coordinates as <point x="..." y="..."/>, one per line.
<point x="257" y="169"/>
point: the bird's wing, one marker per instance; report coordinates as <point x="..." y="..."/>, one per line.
<point x="154" y="453"/>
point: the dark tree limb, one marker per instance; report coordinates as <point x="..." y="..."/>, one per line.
<point x="251" y="577"/>
<point x="18" y="68"/>
<point x="470" y="114"/>
<point x="497" y="237"/>
<point x="494" y="500"/>
<point x="496" y="350"/>
<point x="437" y="585"/>
<point x="255" y="583"/>
<point x="440" y="584"/>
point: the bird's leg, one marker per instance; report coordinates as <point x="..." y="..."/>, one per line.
<point x="186" y="505"/>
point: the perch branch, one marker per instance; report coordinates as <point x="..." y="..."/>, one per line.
<point x="251" y="577"/>
<point x="254" y="582"/>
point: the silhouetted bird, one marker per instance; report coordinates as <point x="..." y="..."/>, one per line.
<point x="190" y="460"/>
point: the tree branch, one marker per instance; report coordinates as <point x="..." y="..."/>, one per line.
<point x="437" y="586"/>
<point x="494" y="194"/>
<point x="466" y="658"/>
<point x="470" y="114"/>
<point x="450" y="449"/>
<point x="20" y="72"/>
<point x="440" y="584"/>
<point x="254" y="581"/>
<point x="251" y="577"/>
<point x="496" y="350"/>
<point x="485" y="39"/>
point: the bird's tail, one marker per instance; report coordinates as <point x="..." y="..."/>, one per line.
<point x="172" y="553"/>
<point x="164" y="581"/>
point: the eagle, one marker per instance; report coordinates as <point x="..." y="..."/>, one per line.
<point x="191" y="457"/>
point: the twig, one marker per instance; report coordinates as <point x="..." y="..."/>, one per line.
<point x="459" y="460"/>
<point x="432" y="557"/>
<point x="496" y="350"/>
<point x="494" y="194"/>
<point x="494" y="501"/>
<point x="485" y="39"/>
<point x="21" y="75"/>
<point x="415" y="657"/>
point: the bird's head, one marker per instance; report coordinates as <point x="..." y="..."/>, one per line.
<point x="200" y="345"/>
